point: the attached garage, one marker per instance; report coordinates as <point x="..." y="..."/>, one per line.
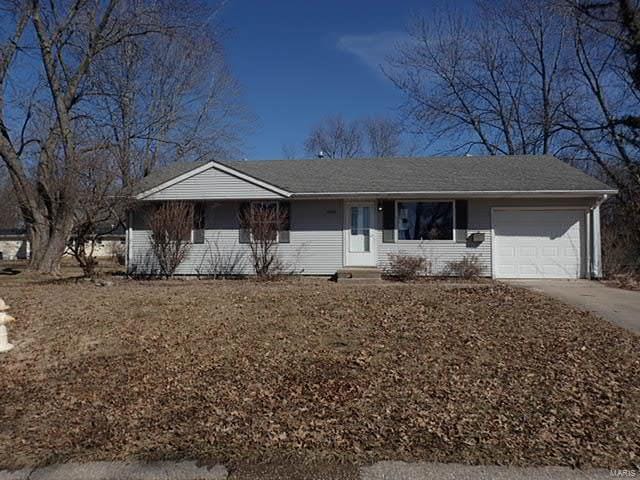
<point x="539" y="243"/>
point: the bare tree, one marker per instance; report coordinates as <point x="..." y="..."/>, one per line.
<point x="374" y="136"/>
<point x="604" y="116"/>
<point x="72" y="109"/>
<point x="100" y="212"/>
<point x="9" y="211"/>
<point x="170" y="225"/>
<point x="383" y="137"/>
<point x="618" y="20"/>
<point x="533" y="77"/>
<point x="335" y="137"/>
<point x="68" y="43"/>
<point x="493" y="87"/>
<point x="168" y="97"/>
<point x="262" y="223"/>
<point x="289" y="151"/>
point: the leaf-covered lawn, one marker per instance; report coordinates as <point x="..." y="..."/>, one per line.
<point x="239" y="371"/>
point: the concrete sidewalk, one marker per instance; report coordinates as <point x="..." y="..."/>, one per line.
<point x="184" y="470"/>
<point x="189" y="470"/>
<point x="616" y="305"/>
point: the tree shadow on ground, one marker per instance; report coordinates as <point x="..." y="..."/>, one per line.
<point x="10" y="271"/>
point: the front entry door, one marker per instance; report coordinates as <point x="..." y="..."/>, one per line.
<point x="359" y="239"/>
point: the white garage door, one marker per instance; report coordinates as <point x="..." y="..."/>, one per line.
<point x="537" y="243"/>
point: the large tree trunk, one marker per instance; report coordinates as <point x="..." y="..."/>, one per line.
<point x="47" y="248"/>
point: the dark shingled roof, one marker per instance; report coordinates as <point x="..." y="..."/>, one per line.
<point x="393" y="175"/>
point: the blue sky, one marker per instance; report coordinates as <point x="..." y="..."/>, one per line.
<point x="299" y="61"/>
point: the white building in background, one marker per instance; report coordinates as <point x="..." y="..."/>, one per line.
<point x="15" y="245"/>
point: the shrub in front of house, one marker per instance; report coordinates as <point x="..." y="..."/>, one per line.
<point x="468" y="267"/>
<point x="405" y="267"/>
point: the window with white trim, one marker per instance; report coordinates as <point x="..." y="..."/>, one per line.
<point x="421" y="220"/>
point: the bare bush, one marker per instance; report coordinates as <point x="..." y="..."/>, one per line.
<point x="405" y="267"/>
<point x="82" y="248"/>
<point x="220" y="262"/>
<point x="620" y="241"/>
<point x="99" y="213"/>
<point x="469" y="267"/>
<point x="170" y="225"/>
<point x="262" y="222"/>
<point x="627" y="281"/>
<point x="118" y="253"/>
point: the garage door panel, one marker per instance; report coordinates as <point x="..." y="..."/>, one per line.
<point x="507" y="252"/>
<point x="527" y="251"/>
<point x="508" y="270"/>
<point x="527" y="269"/>
<point x="537" y="243"/>
<point x="572" y="251"/>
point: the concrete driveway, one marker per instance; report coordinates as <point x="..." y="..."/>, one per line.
<point x="616" y="305"/>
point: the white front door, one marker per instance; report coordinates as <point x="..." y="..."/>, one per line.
<point x="359" y="239"/>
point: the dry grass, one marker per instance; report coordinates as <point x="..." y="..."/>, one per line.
<point x="238" y="371"/>
<point x="624" y="281"/>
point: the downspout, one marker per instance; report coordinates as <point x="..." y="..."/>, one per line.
<point x="594" y="245"/>
<point x="589" y="243"/>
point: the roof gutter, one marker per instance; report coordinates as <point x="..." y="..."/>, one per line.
<point x="602" y="199"/>
<point x="462" y="193"/>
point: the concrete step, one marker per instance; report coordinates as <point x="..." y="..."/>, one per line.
<point x="362" y="281"/>
<point x="358" y="273"/>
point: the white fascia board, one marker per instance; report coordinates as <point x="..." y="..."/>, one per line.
<point x="250" y="179"/>
<point x="218" y="166"/>
<point x="465" y="194"/>
<point x="173" y="181"/>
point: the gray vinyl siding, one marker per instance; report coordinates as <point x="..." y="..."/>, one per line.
<point x="213" y="184"/>
<point x="439" y="253"/>
<point x="315" y="246"/>
<point x="317" y="237"/>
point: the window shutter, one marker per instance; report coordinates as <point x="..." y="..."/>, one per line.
<point x="198" y="223"/>
<point x="388" y="221"/>
<point x="462" y="214"/>
<point x="285" y="210"/>
<point x="198" y="235"/>
<point x="244" y="233"/>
